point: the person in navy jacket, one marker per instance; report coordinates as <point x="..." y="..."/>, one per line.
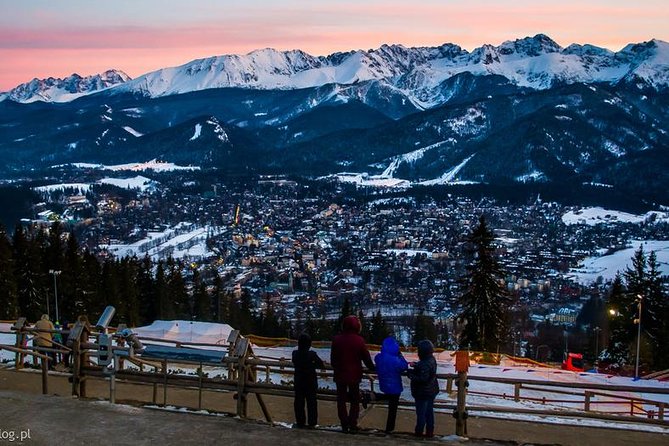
<point x="424" y="388"/>
<point x="389" y="367"/>
<point x="306" y="361"/>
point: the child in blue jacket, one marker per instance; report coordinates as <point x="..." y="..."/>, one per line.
<point x="389" y="366"/>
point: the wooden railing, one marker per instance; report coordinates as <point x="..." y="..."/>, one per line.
<point x="243" y="374"/>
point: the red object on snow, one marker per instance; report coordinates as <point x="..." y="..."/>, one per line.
<point x="574" y="362"/>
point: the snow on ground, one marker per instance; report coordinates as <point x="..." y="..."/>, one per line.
<point x="597" y="215"/>
<point x="138" y="182"/>
<point x="364" y="179"/>
<point x="217" y="334"/>
<point x="411" y="157"/>
<point x="180" y="241"/>
<point x="154" y="164"/>
<point x="132" y="131"/>
<point x="81" y="187"/>
<point x="408" y="252"/>
<point x="606" y="266"/>
<point x="6" y="337"/>
<point x="196" y="134"/>
<point x="449" y="176"/>
<point x="187" y="331"/>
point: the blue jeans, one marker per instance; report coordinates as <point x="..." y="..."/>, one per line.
<point x="425" y="415"/>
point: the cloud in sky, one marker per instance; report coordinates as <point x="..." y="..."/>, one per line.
<point x="45" y="38"/>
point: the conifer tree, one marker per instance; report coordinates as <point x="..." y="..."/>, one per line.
<point x="201" y="299"/>
<point x="32" y="291"/>
<point x="424" y="328"/>
<point x="146" y="288"/>
<point x="379" y="329"/>
<point x="165" y="304"/>
<point x="177" y="293"/>
<point x="8" y="294"/>
<point x="485" y="300"/>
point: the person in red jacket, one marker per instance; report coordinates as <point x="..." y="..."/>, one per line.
<point x="348" y="353"/>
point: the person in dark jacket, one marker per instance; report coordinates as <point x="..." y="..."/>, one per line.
<point x="306" y="362"/>
<point x="389" y="367"/>
<point x="348" y="353"/>
<point x="424" y="388"/>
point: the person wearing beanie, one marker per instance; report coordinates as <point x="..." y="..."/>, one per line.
<point x="306" y="361"/>
<point x="348" y="353"/>
<point x="424" y="388"/>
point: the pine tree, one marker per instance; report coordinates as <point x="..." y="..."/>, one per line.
<point x="485" y="300"/>
<point x="32" y="288"/>
<point x="654" y="311"/>
<point x="620" y="327"/>
<point x="177" y="293"/>
<point x="165" y="304"/>
<point x="201" y="299"/>
<point x="146" y="287"/>
<point x="9" y="305"/>
<point x="379" y="329"/>
<point x="424" y="328"/>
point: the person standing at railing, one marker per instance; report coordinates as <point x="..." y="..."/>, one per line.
<point x="424" y="388"/>
<point x="389" y="367"/>
<point x="347" y="355"/>
<point x="43" y="338"/>
<point x="306" y="361"/>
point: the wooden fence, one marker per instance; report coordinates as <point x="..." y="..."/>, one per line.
<point x="244" y="374"/>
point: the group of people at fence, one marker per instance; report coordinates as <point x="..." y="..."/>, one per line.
<point x="348" y="355"/>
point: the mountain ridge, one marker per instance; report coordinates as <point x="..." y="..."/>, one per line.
<point x="536" y="62"/>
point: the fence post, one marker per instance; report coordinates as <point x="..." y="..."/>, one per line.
<point x="449" y="385"/>
<point x="587" y="401"/>
<point x="660" y="411"/>
<point x="461" y="415"/>
<point x="516" y="392"/>
<point x="164" y="382"/>
<point x="45" y="376"/>
<point x="199" y="394"/>
<point x="76" y="368"/>
<point x="241" y="384"/>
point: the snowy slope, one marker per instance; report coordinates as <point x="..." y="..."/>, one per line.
<point x="64" y="90"/>
<point x="606" y="266"/>
<point x="536" y="62"/>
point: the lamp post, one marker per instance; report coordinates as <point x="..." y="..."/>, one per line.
<point x="55" y="289"/>
<point x="638" y="336"/>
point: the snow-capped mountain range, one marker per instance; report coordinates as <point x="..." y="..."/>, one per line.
<point x="526" y="111"/>
<point x="64" y="90"/>
<point x="535" y="62"/>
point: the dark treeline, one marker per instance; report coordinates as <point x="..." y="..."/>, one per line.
<point x="33" y="263"/>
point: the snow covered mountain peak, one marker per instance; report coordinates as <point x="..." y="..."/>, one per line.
<point x="530" y="46"/>
<point x="66" y="89"/>
<point x="416" y="73"/>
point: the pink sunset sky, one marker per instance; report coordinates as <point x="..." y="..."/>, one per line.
<point x="43" y="38"/>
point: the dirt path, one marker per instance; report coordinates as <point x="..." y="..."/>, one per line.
<point x="23" y="407"/>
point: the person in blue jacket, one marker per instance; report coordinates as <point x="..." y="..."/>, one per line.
<point x="389" y="366"/>
<point x="424" y="388"/>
